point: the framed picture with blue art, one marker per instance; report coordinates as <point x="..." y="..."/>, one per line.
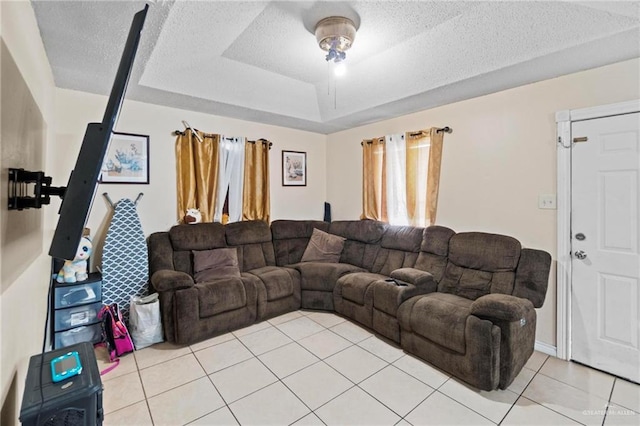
<point x="127" y="160"/>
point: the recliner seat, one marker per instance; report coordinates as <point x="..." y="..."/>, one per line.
<point x="476" y="326"/>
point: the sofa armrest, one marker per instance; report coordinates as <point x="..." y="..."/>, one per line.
<point x="516" y="318"/>
<point x="167" y="280"/>
<point x="421" y="279"/>
<point x="501" y="307"/>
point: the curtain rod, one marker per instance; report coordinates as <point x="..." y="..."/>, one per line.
<point x="264" y="141"/>
<point x="195" y="133"/>
<point x="445" y="129"/>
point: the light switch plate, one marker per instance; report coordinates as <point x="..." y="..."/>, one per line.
<point x="547" y="201"/>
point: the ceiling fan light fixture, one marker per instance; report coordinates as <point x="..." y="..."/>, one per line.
<point x="335" y="33"/>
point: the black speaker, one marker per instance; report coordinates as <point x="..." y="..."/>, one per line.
<point x="327" y="212"/>
<point x="76" y="401"/>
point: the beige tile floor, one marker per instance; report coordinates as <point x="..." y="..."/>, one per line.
<point x="314" y="368"/>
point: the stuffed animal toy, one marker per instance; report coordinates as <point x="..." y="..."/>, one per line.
<point x="193" y="216"/>
<point x="76" y="269"/>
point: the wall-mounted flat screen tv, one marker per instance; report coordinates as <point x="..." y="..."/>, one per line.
<point x="81" y="188"/>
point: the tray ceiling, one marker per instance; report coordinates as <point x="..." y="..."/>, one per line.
<point x="259" y="61"/>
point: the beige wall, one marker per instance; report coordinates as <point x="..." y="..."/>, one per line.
<point x="157" y="209"/>
<point x="500" y="157"/>
<point x="23" y="293"/>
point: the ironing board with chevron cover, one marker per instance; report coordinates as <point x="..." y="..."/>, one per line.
<point x="125" y="271"/>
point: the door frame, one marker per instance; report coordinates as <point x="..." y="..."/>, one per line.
<point x="563" y="255"/>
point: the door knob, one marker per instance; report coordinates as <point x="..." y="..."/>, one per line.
<point x="581" y="254"/>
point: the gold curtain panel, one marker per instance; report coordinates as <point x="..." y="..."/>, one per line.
<point x="197" y="165"/>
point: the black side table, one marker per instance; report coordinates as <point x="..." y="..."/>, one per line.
<point x="76" y="401"/>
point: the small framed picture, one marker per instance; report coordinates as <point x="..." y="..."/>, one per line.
<point x="294" y="168"/>
<point x="127" y="159"/>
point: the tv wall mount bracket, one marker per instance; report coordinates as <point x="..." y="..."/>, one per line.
<point x="19" y="181"/>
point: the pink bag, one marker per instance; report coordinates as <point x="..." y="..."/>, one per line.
<point x="114" y="332"/>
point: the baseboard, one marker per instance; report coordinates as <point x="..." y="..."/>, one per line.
<point x="545" y="348"/>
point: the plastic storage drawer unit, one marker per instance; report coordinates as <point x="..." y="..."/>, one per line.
<point x="77" y="316"/>
<point x="80" y="293"/>
<point x="76" y="401"/>
<point x="91" y="333"/>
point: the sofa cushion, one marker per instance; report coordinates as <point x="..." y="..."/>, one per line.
<point x="323" y="247"/>
<point x="186" y="238"/>
<point x="363" y="241"/>
<point x="223" y="295"/>
<point x="399" y="248"/>
<point x="442" y="319"/>
<point x="291" y="229"/>
<point x="247" y="232"/>
<point x="290" y="238"/>
<point x="465" y="282"/>
<point x="253" y="240"/>
<point x="434" y="250"/>
<point x="354" y="286"/>
<point x="209" y="265"/>
<point x="254" y="256"/>
<point x="201" y="236"/>
<point x="403" y="238"/>
<point x="322" y="276"/>
<point x="364" y="231"/>
<point x="435" y="240"/>
<point x="278" y="281"/>
<point x="479" y="264"/>
<point x="487" y="252"/>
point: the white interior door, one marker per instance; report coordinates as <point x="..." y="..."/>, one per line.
<point x="605" y="287"/>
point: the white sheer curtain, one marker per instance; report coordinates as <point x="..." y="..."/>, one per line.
<point x="230" y="177"/>
<point x="421" y="152"/>
<point x="396" y="155"/>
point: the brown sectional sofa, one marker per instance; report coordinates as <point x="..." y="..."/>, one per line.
<point x="463" y="302"/>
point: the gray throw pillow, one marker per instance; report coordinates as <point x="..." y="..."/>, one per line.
<point x="323" y="247"/>
<point x="209" y="265"/>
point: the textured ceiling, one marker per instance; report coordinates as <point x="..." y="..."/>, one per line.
<point x="259" y="60"/>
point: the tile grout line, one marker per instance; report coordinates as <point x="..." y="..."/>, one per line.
<point x="571" y="386"/>
<point x="354" y="384"/>
<point x="216" y="389"/>
<point x="192" y="352"/>
<point x="318" y="359"/>
<point x="135" y="402"/>
<point x="542" y="405"/>
<point x="469" y="408"/>
<point x="606" y="410"/>
<point x="550" y="409"/>
<point x="146" y="400"/>
<point x="278" y="380"/>
<point x="385" y="405"/>
<point x="322" y="360"/>
<point x="419" y="404"/>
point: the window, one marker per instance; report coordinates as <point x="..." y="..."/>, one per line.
<point x="401" y="175"/>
